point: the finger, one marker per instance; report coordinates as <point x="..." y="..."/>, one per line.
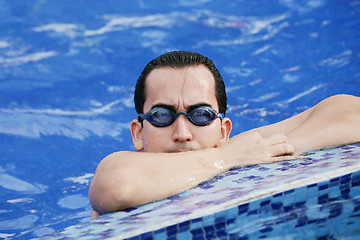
<point x="282" y="149"/>
<point x="286" y="158"/>
<point x="276" y="139"/>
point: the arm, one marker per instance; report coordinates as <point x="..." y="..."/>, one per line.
<point x="126" y="179"/>
<point x="332" y="122"/>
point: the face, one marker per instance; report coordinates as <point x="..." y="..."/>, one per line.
<point x="180" y="89"/>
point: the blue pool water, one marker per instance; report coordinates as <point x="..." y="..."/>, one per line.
<point x="67" y="71"/>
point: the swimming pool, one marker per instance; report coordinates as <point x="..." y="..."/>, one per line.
<point x="68" y="69"/>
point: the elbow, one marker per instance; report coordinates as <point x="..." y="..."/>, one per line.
<point x="106" y="197"/>
<point x="109" y="191"/>
<point x="349" y="108"/>
<point x="343" y="117"/>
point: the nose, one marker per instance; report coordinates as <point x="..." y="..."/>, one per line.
<point x="181" y="130"/>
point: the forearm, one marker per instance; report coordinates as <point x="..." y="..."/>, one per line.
<point x="128" y="179"/>
<point x="334" y="121"/>
<point x="285" y="127"/>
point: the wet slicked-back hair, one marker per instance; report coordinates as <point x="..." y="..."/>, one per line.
<point x="180" y="59"/>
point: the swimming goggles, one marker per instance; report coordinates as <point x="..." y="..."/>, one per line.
<point x="163" y="116"/>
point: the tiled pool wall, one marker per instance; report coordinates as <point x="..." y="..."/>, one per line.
<point x="316" y="196"/>
<point x="325" y="210"/>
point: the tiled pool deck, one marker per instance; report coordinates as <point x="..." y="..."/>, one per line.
<point x="305" y="196"/>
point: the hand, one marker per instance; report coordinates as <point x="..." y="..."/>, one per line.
<point x="251" y="148"/>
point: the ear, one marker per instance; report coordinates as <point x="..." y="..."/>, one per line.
<point x="226" y="127"/>
<point x="136" y="133"/>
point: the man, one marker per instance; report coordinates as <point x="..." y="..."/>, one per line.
<point x="180" y="98"/>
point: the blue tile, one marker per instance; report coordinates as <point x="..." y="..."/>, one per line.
<point x="210" y="232"/>
<point x="231" y="213"/>
<point x="345" y="179"/>
<point x="323" y="186"/>
<point x="285" y="218"/>
<point x="197" y="233"/>
<point x="221" y="226"/>
<point x="334" y="192"/>
<point x="355" y="175"/>
<point x="355" y="192"/>
<point x="335" y="209"/>
<point x="254" y="205"/>
<point x="300" y="204"/>
<point x="253" y="212"/>
<point x="265" y="209"/>
<point x="276" y="205"/>
<point x="160" y="234"/>
<point x="335" y="182"/>
<point x="147" y="236"/>
<point x="278" y="195"/>
<point x="263" y="168"/>
<point x="220" y="216"/>
<point x="345" y="192"/>
<point x="301" y="195"/>
<point x="236" y="237"/>
<point x="265" y="202"/>
<point x="230" y="221"/>
<point x="323" y="199"/>
<point x="356" y="206"/>
<point x="301" y="220"/>
<point x="134" y="238"/>
<point x="289" y="198"/>
<point x="312" y="195"/>
<point x="184" y="226"/>
<point x="289" y="191"/>
<point x="196" y="223"/>
<point x="175" y="237"/>
<point x="242" y="237"/>
<point x="355" y="180"/>
<point x="172" y="230"/>
<point x="209" y="220"/>
<point x="243" y="209"/>
<point x="184" y="235"/>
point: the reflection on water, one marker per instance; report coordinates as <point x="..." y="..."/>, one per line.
<point x="35" y="123"/>
<point x="74" y="201"/>
<point x="67" y="76"/>
<point x="15" y="184"/>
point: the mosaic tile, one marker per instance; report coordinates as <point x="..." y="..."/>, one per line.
<point x="304" y="197"/>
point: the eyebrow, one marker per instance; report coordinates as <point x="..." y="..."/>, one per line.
<point x="173" y="108"/>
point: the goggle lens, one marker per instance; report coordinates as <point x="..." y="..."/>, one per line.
<point x="163" y="117"/>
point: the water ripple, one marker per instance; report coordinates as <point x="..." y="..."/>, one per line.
<point x="19" y="223"/>
<point x="75" y="124"/>
<point x="36" y="125"/>
<point x="27" y="58"/>
<point x="250" y="29"/>
<point x="338" y="60"/>
<point x="12" y="183"/>
<point x="253" y="29"/>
